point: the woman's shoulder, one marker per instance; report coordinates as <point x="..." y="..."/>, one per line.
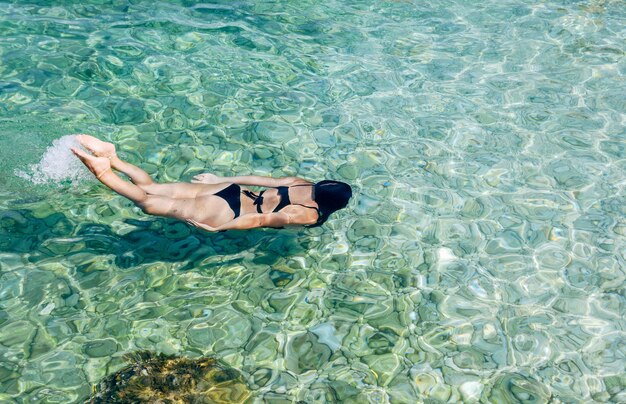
<point x="301" y="214"/>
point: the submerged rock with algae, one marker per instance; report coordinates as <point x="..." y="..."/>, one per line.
<point x="159" y="378"/>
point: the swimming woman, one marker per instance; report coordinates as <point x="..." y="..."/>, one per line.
<point x="217" y="203"/>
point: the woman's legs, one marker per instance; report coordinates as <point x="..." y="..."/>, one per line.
<point x="183" y="208"/>
<point x="101" y="167"/>
<point x="180" y="200"/>
<point x="141" y="178"/>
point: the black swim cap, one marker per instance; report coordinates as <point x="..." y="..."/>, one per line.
<point x="330" y="196"/>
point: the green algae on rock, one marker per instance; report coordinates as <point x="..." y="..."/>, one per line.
<point x="159" y="378"/>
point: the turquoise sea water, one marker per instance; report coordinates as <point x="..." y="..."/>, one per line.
<point x="481" y="259"/>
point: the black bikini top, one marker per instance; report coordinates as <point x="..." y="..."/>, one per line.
<point x="283" y="192"/>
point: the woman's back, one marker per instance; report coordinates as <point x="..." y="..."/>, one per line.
<point x="274" y="199"/>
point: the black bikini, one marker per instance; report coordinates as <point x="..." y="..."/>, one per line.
<point x="232" y="195"/>
<point x="283" y="192"/>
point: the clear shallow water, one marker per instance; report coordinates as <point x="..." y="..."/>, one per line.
<point x="482" y="257"/>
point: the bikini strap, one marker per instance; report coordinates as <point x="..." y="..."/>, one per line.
<point x="257" y="199"/>
<point x="306" y="206"/>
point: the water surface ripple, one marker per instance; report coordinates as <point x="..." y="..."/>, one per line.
<point x="482" y="258"/>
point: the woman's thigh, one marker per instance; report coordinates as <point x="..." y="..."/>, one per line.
<point x="211" y="209"/>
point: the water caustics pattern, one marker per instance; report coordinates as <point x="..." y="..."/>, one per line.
<point x="481" y="259"/>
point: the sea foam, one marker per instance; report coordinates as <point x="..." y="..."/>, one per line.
<point x="57" y="165"/>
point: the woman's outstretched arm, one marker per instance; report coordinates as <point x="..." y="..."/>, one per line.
<point x="253" y="180"/>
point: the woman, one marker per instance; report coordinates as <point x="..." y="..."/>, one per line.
<point x="216" y="203"/>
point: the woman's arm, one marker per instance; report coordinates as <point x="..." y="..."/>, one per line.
<point x="249" y="221"/>
<point x="254" y="180"/>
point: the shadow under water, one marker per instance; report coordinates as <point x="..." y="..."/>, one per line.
<point x="159" y="378"/>
<point x="142" y="241"/>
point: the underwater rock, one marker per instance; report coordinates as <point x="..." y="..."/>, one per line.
<point x="516" y="387"/>
<point x="100" y="348"/>
<point x="159" y="378"/>
<point x="305" y="352"/>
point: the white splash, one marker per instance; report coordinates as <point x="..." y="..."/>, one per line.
<point x="57" y="165"/>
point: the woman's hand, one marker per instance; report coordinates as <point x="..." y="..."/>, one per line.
<point x="201" y="225"/>
<point x="207" y="178"/>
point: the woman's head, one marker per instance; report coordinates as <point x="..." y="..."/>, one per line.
<point x="330" y="196"/>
